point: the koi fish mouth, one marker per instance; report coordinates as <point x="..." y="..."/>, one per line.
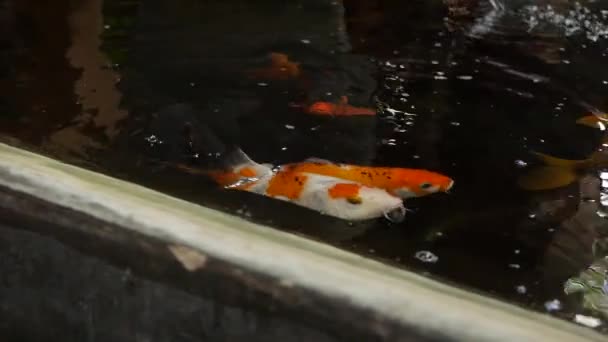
<point x="396" y="215"/>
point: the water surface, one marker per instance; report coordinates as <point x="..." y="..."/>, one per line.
<point x="468" y="90"/>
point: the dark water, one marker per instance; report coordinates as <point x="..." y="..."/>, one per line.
<point x="468" y="92"/>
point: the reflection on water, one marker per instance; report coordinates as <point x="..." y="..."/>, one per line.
<point x="466" y="88"/>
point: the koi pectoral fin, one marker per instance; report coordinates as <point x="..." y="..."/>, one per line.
<point x="547" y="178"/>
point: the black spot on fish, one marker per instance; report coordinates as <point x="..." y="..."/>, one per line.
<point x="354" y="200"/>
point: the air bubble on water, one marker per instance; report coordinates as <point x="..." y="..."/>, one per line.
<point x="604" y="199"/>
<point x="520" y="163"/>
<point x="551" y="230"/>
<point x="415" y="156"/>
<point x="192" y="84"/>
<point x="283" y="148"/>
<point x="605" y="82"/>
<point x="434" y="62"/>
<point x="602" y="214"/>
<point x="465" y="77"/>
<point x="107" y="27"/>
<point x="290" y="126"/>
<point x="514" y="266"/>
<point x="565" y="61"/>
<point x="392" y="111"/>
<point x="455" y="123"/>
<point x="305" y="41"/>
<point x="390" y="65"/>
<point x="426" y="256"/>
<point x="521" y="289"/>
<point x="263" y="84"/>
<point x="553" y="305"/>
<point x="153" y="140"/>
<point x="517" y="251"/>
<point x="532" y="216"/>
<point x="372" y="251"/>
<point x="588" y="321"/>
<point x="390" y="142"/>
<point x="437" y="44"/>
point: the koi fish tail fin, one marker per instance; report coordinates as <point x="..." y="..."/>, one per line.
<point x="180" y="136"/>
<point x="556" y="173"/>
<point x="195" y="144"/>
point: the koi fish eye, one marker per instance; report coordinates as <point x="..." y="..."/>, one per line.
<point x="354" y="200"/>
<point x="425" y="186"/>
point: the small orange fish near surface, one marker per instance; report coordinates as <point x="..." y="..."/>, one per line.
<point x="281" y="68"/>
<point x="341" y="108"/>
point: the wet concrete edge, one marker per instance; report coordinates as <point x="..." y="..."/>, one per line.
<point x="397" y="310"/>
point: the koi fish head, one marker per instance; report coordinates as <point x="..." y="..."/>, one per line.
<point x="417" y="183"/>
<point x="351" y="201"/>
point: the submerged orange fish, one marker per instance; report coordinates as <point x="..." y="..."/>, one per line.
<point x="281" y="68"/>
<point x="559" y="172"/>
<point x="341" y="108"/>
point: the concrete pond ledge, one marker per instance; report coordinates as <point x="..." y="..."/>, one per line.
<point x="220" y="258"/>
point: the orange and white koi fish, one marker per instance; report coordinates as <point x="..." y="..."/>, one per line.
<point x="340" y="108"/>
<point x="281" y="68"/>
<point x="328" y="195"/>
<point x="401" y="182"/>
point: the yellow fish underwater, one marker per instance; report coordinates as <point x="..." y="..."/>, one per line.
<point x="558" y="172"/>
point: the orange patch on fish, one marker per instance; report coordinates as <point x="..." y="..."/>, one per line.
<point x="286" y="183"/>
<point x="341" y="108"/>
<point x="344" y="190"/>
<point x="388" y="178"/>
<point x="224" y="178"/>
<point x="281" y="68"/>
<point x="247" y="172"/>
